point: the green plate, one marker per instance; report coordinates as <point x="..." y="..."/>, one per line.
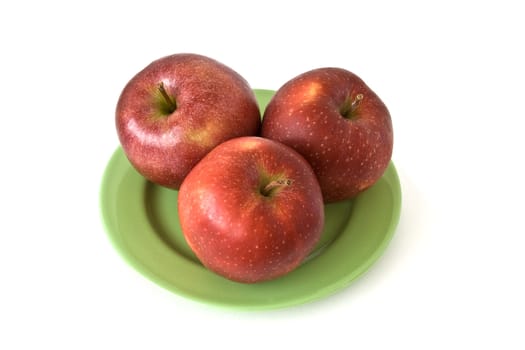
<point x="142" y="222"/>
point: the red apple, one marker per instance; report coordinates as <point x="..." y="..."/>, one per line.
<point x="342" y="128"/>
<point x="251" y="209"/>
<point x="177" y="109"/>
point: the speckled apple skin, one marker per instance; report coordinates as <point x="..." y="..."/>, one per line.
<point x="347" y="155"/>
<point x="214" y="104"/>
<point x="234" y="229"/>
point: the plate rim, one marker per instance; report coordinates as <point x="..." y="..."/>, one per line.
<point x="116" y="239"/>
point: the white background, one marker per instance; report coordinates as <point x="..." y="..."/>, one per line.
<point x="452" y="75"/>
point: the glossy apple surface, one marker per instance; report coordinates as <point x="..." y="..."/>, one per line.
<point x="332" y="118"/>
<point x="251" y="209"/>
<point x="177" y="109"/>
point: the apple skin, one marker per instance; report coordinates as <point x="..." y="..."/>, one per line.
<point x="237" y="230"/>
<point x="342" y="128"/>
<point x="213" y="104"/>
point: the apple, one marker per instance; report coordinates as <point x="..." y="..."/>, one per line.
<point x="342" y="128"/>
<point x="251" y="210"/>
<point x="177" y="109"/>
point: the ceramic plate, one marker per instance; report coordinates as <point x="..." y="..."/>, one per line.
<point x="142" y="222"/>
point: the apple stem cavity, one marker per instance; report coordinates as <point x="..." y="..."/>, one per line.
<point x="170" y="103"/>
<point x="274" y="185"/>
<point x="349" y="108"/>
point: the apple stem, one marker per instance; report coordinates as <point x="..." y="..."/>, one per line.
<point x="171" y="103"/>
<point x="356" y="102"/>
<point x="348" y="109"/>
<point x="270" y="187"/>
